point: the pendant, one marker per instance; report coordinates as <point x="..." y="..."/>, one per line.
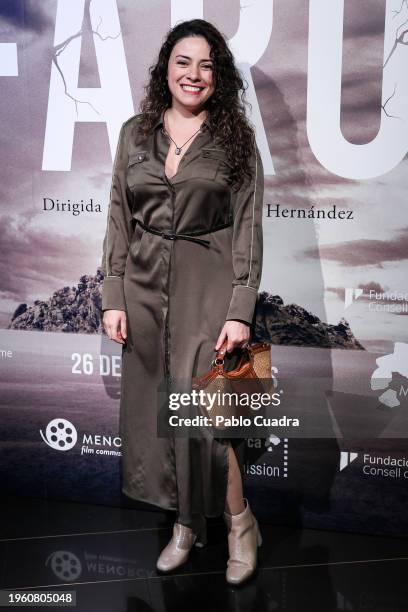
<point x="178" y="151"/>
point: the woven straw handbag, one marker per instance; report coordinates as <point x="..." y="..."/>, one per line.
<point x="229" y="374"/>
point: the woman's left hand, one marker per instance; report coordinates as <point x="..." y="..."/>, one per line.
<point x="236" y="333"/>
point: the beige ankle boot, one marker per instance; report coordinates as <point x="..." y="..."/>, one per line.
<point x="243" y="538"/>
<point x="177" y="550"/>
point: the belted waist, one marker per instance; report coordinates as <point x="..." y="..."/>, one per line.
<point x="190" y="236"/>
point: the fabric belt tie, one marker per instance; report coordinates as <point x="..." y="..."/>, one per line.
<point x="191" y="237"/>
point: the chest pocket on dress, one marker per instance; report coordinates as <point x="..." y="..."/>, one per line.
<point x="215" y="164"/>
<point x="135" y="167"/>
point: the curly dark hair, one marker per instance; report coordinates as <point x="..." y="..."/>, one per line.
<point x="225" y="108"/>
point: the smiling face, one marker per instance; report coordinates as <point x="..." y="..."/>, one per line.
<point x="190" y="72"/>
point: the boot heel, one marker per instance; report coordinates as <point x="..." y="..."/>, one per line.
<point x="201" y="539"/>
<point x="259" y="537"/>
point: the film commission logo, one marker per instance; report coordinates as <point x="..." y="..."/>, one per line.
<point x="277" y="449"/>
<point x="383" y="466"/>
<point x="61" y="435"/>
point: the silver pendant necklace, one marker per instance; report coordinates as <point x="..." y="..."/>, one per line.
<point x="178" y="148"/>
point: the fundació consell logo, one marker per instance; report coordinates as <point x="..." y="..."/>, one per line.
<point x="60" y="434"/>
<point x="351" y="294"/>
<point x="346" y="458"/>
<point x="396" y="362"/>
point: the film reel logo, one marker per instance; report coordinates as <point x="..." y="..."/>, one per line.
<point x="65" y="565"/>
<point x="60" y="434"/>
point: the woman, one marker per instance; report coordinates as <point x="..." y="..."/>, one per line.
<point x="182" y="264"/>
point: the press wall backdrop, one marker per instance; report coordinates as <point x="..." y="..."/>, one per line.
<point x="328" y="84"/>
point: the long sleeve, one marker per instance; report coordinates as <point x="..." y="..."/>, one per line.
<point x="118" y="231"/>
<point x="247" y="243"/>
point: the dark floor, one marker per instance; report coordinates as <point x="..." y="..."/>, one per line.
<point x="107" y="557"/>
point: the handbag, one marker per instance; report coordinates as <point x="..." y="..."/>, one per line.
<point x="229" y="374"/>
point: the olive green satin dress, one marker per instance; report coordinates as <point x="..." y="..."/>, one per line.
<point x="177" y="289"/>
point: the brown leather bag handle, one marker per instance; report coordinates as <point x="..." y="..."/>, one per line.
<point x="244" y="369"/>
<point x="219" y="356"/>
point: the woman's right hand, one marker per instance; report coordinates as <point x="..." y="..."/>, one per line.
<point x="115" y="325"/>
